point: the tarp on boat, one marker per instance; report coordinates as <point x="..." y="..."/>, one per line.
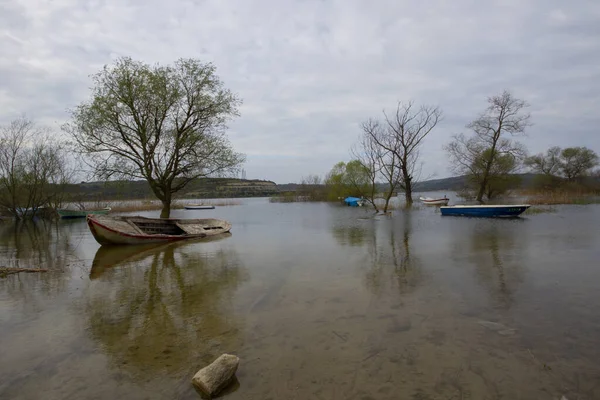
<point x="352" y="201"/>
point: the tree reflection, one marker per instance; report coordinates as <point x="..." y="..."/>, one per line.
<point x="493" y="252"/>
<point x="39" y="244"/>
<point x="351" y="235"/>
<point x="162" y="309"/>
<point x="391" y="263"/>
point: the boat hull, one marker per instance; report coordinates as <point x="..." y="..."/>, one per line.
<point x="65" y="213"/>
<point x="199" y="207"/>
<point x="435" y="202"/>
<point x="507" y="211"/>
<point x="105" y="234"/>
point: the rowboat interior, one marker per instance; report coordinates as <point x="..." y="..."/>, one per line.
<point x="152" y="226"/>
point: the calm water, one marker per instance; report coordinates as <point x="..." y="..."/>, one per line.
<point x="319" y="301"/>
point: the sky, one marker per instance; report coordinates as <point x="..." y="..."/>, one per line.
<point x="309" y="72"/>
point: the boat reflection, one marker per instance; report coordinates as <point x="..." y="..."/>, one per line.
<point x="110" y="256"/>
<point x="171" y="307"/>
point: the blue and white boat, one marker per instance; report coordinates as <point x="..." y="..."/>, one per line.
<point x="485" y="210"/>
<point x="354" y="202"/>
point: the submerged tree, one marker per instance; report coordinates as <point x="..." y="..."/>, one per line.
<point x="481" y="155"/>
<point x="164" y="124"/>
<point x="400" y="136"/>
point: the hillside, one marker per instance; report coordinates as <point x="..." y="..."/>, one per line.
<point x="200" y="188"/>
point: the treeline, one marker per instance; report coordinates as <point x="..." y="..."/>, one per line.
<point x="386" y="159"/>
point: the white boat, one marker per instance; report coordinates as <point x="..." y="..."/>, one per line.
<point x="198" y="207"/>
<point x="435" y="202"/>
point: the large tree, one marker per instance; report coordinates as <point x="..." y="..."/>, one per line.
<point x="478" y="156"/>
<point x="402" y="134"/>
<point x="164" y="124"/>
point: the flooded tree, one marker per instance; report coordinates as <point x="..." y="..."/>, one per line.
<point x="164" y="124"/>
<point x="383" y="160"/>
<point x="352" y="179"/>
<point x="34" y="168"/>
<point x="400" y="136"/>
<point x="480" y="155"/>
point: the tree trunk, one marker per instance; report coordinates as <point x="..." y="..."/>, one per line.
<point x="482" y="186"/>
<point x="387" y="201"/>
<point x="166" y="210"/>
<point x="407" y="188"/>
<point x="408" y="195"/>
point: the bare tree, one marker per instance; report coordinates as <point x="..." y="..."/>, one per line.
<point x="477" y="155"/>
<point x="162" y="124"/>
<point x="34" y="168"/>
<point x="376" y="150"/>
<point x="547" y="164"/>
<point x="402" y="135"/>
<point x="370" y="156"/>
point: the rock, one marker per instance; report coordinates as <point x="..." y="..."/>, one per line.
<point x="213" y="378"/>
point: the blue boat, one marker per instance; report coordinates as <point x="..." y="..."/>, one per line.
<point x="354" y="202"/>
<point x="485" y="210"/>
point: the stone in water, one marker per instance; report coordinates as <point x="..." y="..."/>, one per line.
<point x="213" y="378"/>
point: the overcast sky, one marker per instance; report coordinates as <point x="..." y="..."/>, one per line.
<point x="310" y="71"/>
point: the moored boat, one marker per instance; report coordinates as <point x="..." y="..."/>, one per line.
<point x="109" y="230"/>
<point x="435" y="202"/>
<point x="485" y="210"/>
<point x="198" y="207"/>
<point x="354" y="202"/>
<point x="68" y="213"/>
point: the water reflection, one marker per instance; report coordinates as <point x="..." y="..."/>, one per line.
<point x="160" y="310"/>
<point x="39" y="244"/>
<point x="352" y="235"/>
<point x="494" y="249"/>
<point x="391" y="263"/>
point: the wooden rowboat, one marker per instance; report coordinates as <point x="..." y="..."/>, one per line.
<point x="435" y="202"/>
<point x="109" y="230"/>
<point x="67" y="213"/>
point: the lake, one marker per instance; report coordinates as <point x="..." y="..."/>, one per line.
<point x="320" y="301"/>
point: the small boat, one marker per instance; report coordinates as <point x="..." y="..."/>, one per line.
<point x="198" y="207"/>
<point x="109" y="230"/>
<point x="485" y="210"/>
<point x="435" y="202"/>
<point x="354" y="202"/>
<point x="68" y="213"/>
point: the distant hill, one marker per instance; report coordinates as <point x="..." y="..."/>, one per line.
<point x="200" y="188"/>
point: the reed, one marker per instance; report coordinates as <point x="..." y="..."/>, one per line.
<point x="562" y="197"/>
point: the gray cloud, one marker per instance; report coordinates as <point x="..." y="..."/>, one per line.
<point x="310" y="71"/>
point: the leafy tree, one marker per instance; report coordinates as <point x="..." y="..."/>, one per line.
<point x="164" y="124"/>
<point x="350" y="179"/>
<point x="577" y="162"/>
<point x="479" y="155"/>
<point x="335" y="183"/>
